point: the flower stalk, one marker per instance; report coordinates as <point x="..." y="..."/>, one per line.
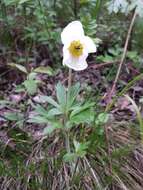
<point x="67" y="135"/>
<point x="69" y="79"/>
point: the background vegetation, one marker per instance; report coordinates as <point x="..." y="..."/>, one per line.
<point x="87" y="138"/>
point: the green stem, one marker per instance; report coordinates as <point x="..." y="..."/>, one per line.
<point x="69" y="79"/>
<point x="67" y="131"/>
<point x="67" y="135"/>
<point x="67" y="141"/>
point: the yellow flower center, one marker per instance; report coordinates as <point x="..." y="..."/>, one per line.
<point x="76" y="48"/>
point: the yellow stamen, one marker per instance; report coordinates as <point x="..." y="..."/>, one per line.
<point x="76" y="48"/>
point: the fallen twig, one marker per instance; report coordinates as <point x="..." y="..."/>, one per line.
<point x="124" y="54"/>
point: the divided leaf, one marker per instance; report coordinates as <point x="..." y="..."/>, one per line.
<point x="61" y="95"/>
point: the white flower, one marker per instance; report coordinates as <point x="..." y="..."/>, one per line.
<point x="77" y="46"/>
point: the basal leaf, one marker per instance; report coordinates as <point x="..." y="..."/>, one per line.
<point x="31" y="86"/>
<point x="61" y="95"/>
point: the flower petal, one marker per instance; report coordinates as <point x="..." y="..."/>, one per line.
<point x="73" y="31"/>
<point x="76" y="64"/>
<point x="91" y="47"/>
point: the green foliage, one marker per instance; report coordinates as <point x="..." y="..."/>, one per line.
<point x="61" y="96"/>
<point x="13" y="116"/>
<point x="102" y="119"/>
<point x="66" y="105"/>
<point x="19" y="67"/>
<point x="36" y="137"/>
<point x="138" y="5"/>
<point x="64" y="114"/>
<point x="117" y="5"/>
<point x="30" y="86"/>
<point x="125" y="6"/>
<point x="80" y="151"/>
<point x="82" y="114"/>
<point x="44" y="70"/>
<point x="52" y="126"/>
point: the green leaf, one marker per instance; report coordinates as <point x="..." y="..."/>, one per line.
<point x="68" y="125"/>
<point x="102" y="119"/>
<point x="61" y="95"/>
<point x="20" y="88"/>
<point x="13" y="116"/>
<point x="31" y="86"/>
<point x="106" y="58"/>
<point x="32" y="76"/>
<point x="80" y="148"/>
<point x="82" y="114"/>
<point x="20" y="67"/>
<point x="38" y="119"/>
<point x="45" y="70"/>
<point x="80" y="108"/>
<point x="5" y="102"/>
<point x="70" y="157"/>
<point x="23" y="1"/>
<point x="52" y="126"/>
<point x="72" y="94"/>
<point x="10" y="2"/>
<point x="54" y="112"/>
<point x="86" y="116"/>
<point x="49" y="100"/>
<point x="42" y="111"/>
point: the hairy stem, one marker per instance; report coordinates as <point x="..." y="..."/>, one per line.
<point x="69" y="79"/>
<point x="67" y="131"/>
<point x="67" y="136"/>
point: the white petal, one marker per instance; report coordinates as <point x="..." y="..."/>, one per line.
<point x="76" y="64"/>
<point x="73" y="31"/>
<point x="91" y="47"/>
<point x="66" y="54"/>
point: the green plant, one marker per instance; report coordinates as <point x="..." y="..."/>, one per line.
<point x="65" y="114"/>
<point x="67" y="140"/>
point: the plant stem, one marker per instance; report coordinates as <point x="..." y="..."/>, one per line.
<point x="67" y="135"/>
<point x="67" y="141"/>
<point x="67" y="131"/>
<point x="69" y="79"/>
<point x="124" y="54"/>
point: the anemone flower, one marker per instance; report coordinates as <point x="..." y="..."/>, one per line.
<point x="76" y="47"/>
